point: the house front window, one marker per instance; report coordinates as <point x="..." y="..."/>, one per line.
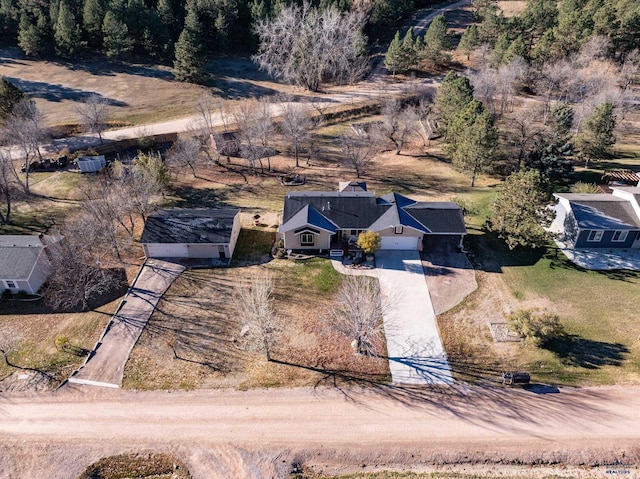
<point x="306" y="239"/>
<point x="594" y="236"/>
<point x="10" y="284"/>
<point x="619" y="236"/>
<point x="398" y="230"/>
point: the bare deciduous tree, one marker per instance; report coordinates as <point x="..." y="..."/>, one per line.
<point x="305" y="45"/>
<point x="254" y="305"/>
<point x="397" y="124"/>
<point x="185" y="152"/>
<point x="93" y="114"/>
<point x="295" y="125"/>
<point x="358" y="150"/>
<point x="359" y="311"/>
<point x="25" y="128"/>
<point x="246" y="116"/>
<point x="425" y="116"/>
<point x="9" y="185"/>
<point x="78" y="274"/>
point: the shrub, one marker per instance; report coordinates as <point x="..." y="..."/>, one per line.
<point x="369" y="241"/>
<point x="468" y="208"/>
<point x="536" y="327"/>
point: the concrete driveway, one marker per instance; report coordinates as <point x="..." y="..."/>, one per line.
<point x="105" y="364"/>
<point x="415" y="351"/>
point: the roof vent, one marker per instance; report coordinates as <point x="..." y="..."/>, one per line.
<point x="328" y="205"/>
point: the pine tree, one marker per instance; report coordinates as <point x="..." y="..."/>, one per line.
<point x="470" y="40"/>
<point x="33" y="35"/>
<point x="521" y="210"/>
<point x="67" y="32"/>
<point x="394" y="60"/>
<point x="437" y="40"/>
<point x="117" y="43"/>
<point x="472" y="140"/>
<point x="409" y="48"/>
<point x="9" y="96"/>
<point x="167" y="16"/>
<point x="517" y="49"/>
<point x="190" y="58"/>
<point x="92" y="18"/>
<point x="453" y="95"/>
<point x="500" y="50"/>
<point x="597" y="136"/>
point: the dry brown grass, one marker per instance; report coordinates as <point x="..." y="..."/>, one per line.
<point x="30" y="331"/>
<point x="197" y="320"/>
<point x="139" y="93"/>
<point x="512" y="8"/>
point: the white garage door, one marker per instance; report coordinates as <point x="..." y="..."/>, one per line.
<point x="168" y="250"/>
<point x="399" y="242"/>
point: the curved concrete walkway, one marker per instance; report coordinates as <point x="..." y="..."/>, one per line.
<point x="414" y="349"/>
<point x="105" y="364"/>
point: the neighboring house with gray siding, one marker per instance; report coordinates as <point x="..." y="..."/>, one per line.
<point x="191" y="233"/>
<point x="599" y="220"/>
<point x="317" y="221"/>
<point x="23" y="263"/>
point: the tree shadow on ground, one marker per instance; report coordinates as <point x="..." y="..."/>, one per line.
<point x="189" y="197"/>
<point x="482" y="400"/>
<point x="559" y="261"/>
<point x="576" y="351"/>
<point x="489" y="253"/>
<point x="57" y="93"/>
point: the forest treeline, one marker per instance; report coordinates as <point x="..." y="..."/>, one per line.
<point x="549" y="30"/>
<point x="149" y="29"/>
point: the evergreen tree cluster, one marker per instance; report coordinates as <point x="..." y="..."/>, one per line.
<point x="404" y="54"/>
<point x="547" y="30"/>
<point x="151" y="29"/>
<point x="470" y="134"/>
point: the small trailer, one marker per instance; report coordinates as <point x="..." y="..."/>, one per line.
<point x="515" y="377"/>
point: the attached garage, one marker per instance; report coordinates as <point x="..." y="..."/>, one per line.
<point x="399" y="242"/>
<point x="191" y="233"/>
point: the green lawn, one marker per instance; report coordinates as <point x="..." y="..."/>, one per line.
<point x="599" y="312"/>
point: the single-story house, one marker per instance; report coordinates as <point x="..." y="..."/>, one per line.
<point x="317" y="221"/>
<point x="24" y="265"/>
<point x="191" y="233"/>
<point x="599" y="220"/>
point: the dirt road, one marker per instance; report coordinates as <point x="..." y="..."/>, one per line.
<point x="70" y="429"/>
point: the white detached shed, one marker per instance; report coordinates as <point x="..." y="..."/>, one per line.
<point x="191" y="233"/>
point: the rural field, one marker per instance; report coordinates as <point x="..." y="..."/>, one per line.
<point x="194" y="339"/>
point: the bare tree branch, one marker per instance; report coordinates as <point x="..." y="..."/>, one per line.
<point x="93" y="114"/>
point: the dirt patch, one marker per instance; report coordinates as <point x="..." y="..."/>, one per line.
<point x="450" y="278"/>
<point x="140" y="466"/>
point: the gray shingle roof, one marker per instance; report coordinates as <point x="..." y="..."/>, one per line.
<point x="346" y="210"/>
<point x="189" y="226"/>
<point x="605" y="215"/>
<point x="18" y="255"/>
<point x="601" y="211"/>
<point x="439" y="217"/>
<point x="362" y="210"/>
